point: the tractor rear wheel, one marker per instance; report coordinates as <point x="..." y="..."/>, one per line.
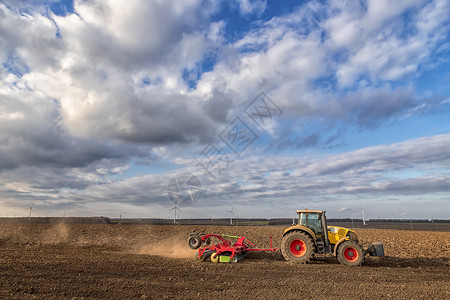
<point x="350" y="253"/>
<point x="297" y="247"/>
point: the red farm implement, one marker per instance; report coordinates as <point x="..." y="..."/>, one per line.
<point x="226" y="250"/>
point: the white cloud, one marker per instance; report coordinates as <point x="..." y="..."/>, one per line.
<point x="256" y="7"/>
<point x="381" y="11"/>
<point x="85" y="94"/>
<point x="383" y="43"/>
<point x="91" y="70"/>
<point x="257" y="178"/>
<point x="12" y="115"/>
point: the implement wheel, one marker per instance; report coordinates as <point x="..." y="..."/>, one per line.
<point x="350" y="253"/>
<point x="204" y="256"/>
<point x="215" y="257"/>
<point x="297" y="247"/>
<point x="194" y="241"/>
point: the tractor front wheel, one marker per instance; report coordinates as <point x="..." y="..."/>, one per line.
<point x="297" y="247"/>
<point x="350" y="253"/>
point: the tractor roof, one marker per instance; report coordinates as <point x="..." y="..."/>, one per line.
<point x="309" y="211"/>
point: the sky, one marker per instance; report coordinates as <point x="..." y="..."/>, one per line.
<point x="130" y="108"/>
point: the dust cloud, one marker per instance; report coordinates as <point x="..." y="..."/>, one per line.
<point x="58" y="233"/>
<point x="168" y="248"/>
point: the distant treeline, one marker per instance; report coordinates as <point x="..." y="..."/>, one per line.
<point x="264" y="221"/>
<point x="57" y="220"/>
<point x="391" y="220"/>
<point x="347" y="222"/>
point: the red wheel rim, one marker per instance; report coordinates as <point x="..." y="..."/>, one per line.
<point x="351" y="254"/>
<point x="297" y="248"/>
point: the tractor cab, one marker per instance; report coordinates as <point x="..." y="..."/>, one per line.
<point x="314" y="220"/>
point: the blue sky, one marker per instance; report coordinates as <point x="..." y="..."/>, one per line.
<point x="104" y="103"/>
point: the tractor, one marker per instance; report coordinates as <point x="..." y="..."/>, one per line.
<point x="311" y="236"/>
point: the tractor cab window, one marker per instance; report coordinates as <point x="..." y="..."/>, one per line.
<point x="302" y="219"/>
<point x="311" y="220"/>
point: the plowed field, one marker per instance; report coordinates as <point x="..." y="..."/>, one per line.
<point x="154" y="262"/>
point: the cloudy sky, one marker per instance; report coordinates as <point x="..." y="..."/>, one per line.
<point x="270" y="106"/>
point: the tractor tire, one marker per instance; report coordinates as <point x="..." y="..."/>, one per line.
<point x="207" y="242"/>
<point x="194" y="241"/>
<point x="297" y="247"/>
<point x="350" y="253"/>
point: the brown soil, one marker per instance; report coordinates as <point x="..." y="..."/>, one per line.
<point x="154" y="262"/>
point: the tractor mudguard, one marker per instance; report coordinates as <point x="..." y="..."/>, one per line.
<point x="300" y="228"/>
<point x="336" y="246"/>
<point x="376" y="249"/>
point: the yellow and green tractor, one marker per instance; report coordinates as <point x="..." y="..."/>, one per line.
<point x="311" y="235"/>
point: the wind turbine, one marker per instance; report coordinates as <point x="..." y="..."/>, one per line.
<point x="363" y="211"/>
<point x="294" y="212"/>
<point x="31" y="209"/>
<point x="231" y="214"/>
<point x="175" y="213"/>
